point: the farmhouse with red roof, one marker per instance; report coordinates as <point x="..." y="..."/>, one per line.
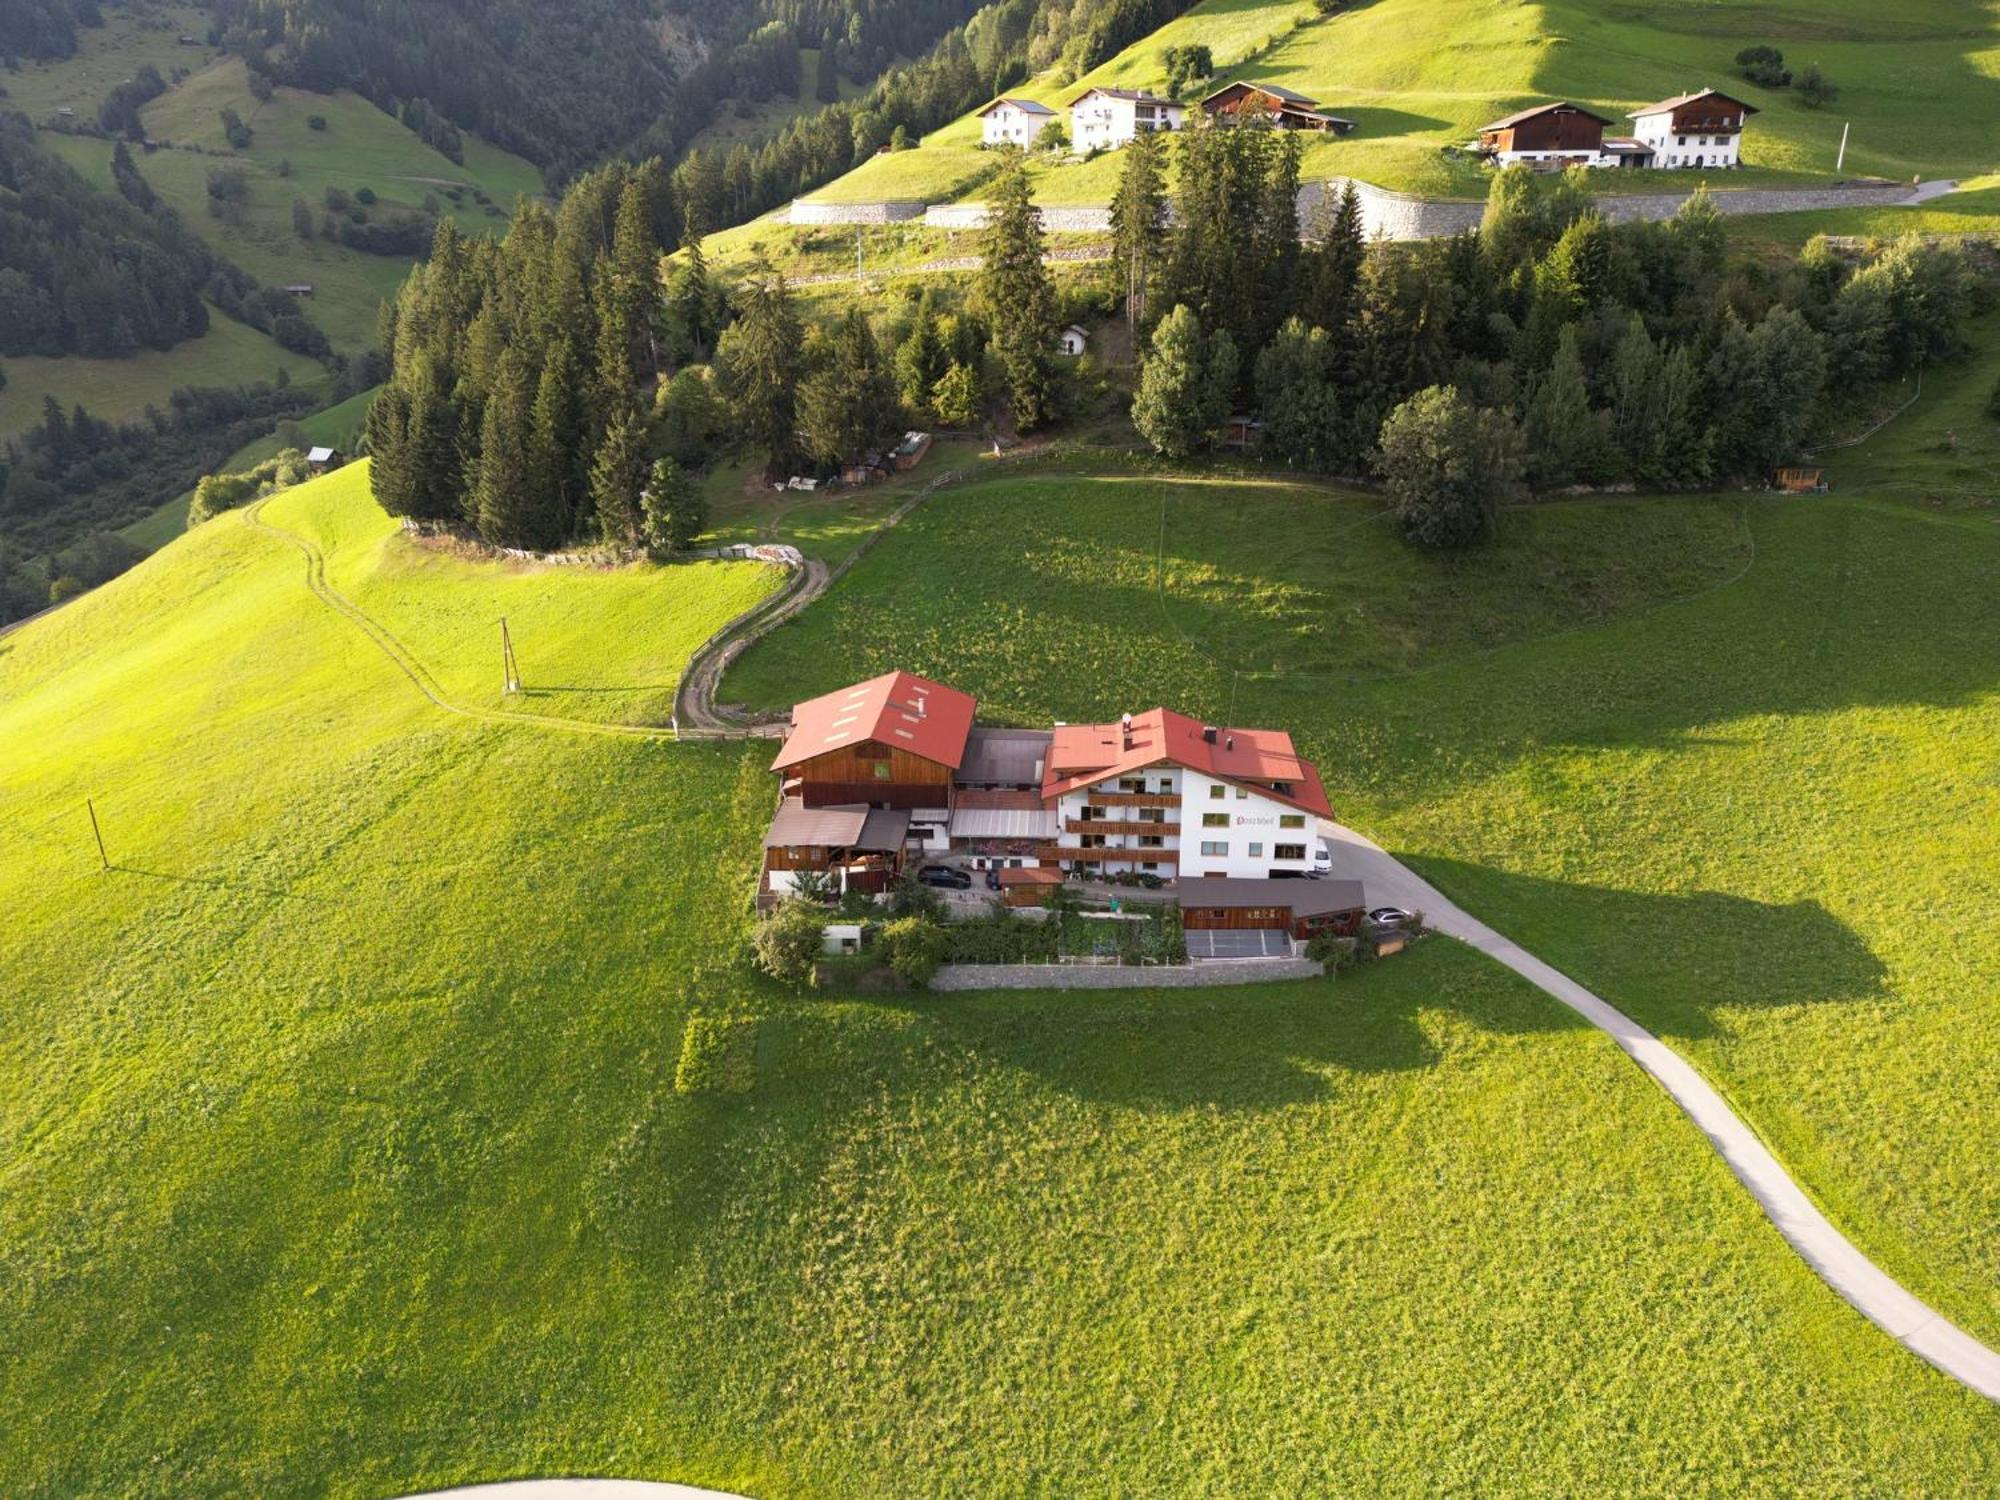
<point x="896" y="764"/>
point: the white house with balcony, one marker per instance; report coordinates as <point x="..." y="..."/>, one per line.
<point x="1009" y="121"/>
<point x="1702" y="129"/>
<point x="1103" y="118"/>
<point x="1162" y="794"/>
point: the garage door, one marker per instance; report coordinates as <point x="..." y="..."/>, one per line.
<point x="1224" y="942"/>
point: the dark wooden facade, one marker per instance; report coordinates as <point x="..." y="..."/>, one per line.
<point x="1713" y="114"/>
<point x="1561" y="127"/>
<point x="872" y="774"/>
<point x="1268" y="919"/>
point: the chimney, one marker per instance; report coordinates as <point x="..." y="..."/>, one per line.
<point x="1208" y="733"/>
<point x="1125" y="729"/>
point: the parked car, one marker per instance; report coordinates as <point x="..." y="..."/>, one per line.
<point x="1322" y="859"/>
<point x="945" y="877"/>
<point x="1388" y="916"/>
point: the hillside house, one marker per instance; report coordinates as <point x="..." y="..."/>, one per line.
<point x="1163" y="794"/>
<point x="1073" y="340"/>
<point x="1702" y="129"/>
<point x="1548" y="136"/>
<point x="1105" y="118"/>
<point x="1013" y="122"/>
<point x="1284" y="108"/>
<point x="321" y="460"/>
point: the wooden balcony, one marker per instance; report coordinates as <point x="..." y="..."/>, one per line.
<point x="1132" y="826"/>
<point x="1068" y="854"/>
<point x="1170" y="800"/>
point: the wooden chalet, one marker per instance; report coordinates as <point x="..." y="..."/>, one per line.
<point x="1555" y="129"/>
<point x="1282" y="107"/>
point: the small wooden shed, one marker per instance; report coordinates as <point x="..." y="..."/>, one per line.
<point x="1800" y="481"/>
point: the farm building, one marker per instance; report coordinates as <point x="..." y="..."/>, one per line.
<point x="1800" y="481"/>
<point x="1284" y="108"/>
<point x="895" y="765"/>
<point x="871" y="468"/>
<point x="1702" y="129"/>
<point x="320" y="460"/>
<point x="1073" y="340"/>
<point x="1162" y="793"/>
<point x="1559" y="134"/>
<point x="1103" y="118"/>
<point x="1296" y="908"/>
<point x="1013" y="122"/>
<point x="857" y="848"/>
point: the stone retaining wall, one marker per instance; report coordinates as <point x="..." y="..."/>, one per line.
<point x="896" y="211"/>
<point x="1392" y="215"/>
<point x="1398" y="216"/>
<point x="1205" y="975"/>
<point x="1054" y="220"/>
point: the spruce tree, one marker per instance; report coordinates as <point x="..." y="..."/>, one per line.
<point x="958" y="399"/>
<point x="1018" y="297"/>
<point x="615" y="476"/>
<point x="1138" y="220"/>
<point x="762" y="358"/>
<point x="847" y="407"/>
<point x="675" y="513"/>
<point x="1566" y="438"/>
<point x="508" y="507"/>
<point x="921" y="359"/>
<point x="556" y="438"/>
<point x="1330" y="276"/>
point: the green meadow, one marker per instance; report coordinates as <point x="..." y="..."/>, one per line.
<point x="134" y="33"/>
<point x="1726" y="760"/>
<point x="289" y="160"/>
<point x="120" y="390"/>
<point x="343" y="1153"/>
<point x="1919" y="87"/>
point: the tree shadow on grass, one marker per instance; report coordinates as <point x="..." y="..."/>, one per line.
<point x="1674" y="963"/>
<point x="215" y="881"/>
<point x="1267" y="1046"/>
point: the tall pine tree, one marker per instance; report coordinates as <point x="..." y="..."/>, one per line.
<point x="1018" y="296"/>
<point x="1138" y="220"/>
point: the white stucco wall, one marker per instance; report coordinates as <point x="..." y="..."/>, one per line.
<point x="1010" y="125"/>
<point x="1255" y="827"/>
<point x="1673" y="150"/>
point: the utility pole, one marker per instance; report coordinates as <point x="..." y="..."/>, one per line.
<point x="103" y="859"/>
<point x="510" y="671"/>
<point x="1842" y="157"/>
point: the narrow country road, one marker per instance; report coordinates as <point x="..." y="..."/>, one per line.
<point x="1871" y="1290"/>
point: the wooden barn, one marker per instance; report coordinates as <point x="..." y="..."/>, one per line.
<point x="890" y="742"/>
<point x="1281" y="106"/>
<point x="1555" y="133"/>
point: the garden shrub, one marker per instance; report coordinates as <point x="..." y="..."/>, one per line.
<point x="913" y="947"/>
<point x="788" y="941"/>
<point x="718" y="1055"/>
<point x="1332" y="952"/>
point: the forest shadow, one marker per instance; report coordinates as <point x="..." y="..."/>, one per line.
<point x="1264" y="1047"/>
<point x="1673" y="962"/>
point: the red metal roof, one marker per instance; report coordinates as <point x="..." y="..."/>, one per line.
<point x="897" y="709"/>
<point x="1083" y="754"/>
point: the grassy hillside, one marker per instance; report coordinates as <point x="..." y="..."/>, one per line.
<point x="1760" y="820"/>
<point x="1919" y="86"/>
<point x="338" y="426"/>
<point x="229" y="354"/>
<point x="134" y="33"/>
<point x="288" y="160"/>
<point x="343" y="1153"/>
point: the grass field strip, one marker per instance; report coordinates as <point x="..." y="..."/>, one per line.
<point x="1744" y="533"/>
<point x="407" y="660"/>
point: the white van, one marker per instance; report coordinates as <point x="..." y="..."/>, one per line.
<point x="1322" y="859"/>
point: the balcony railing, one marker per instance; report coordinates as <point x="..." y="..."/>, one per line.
<point x="1071" y="854"/>
<point x="1135" y="799"/>
<point x="1135" y="827"/>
